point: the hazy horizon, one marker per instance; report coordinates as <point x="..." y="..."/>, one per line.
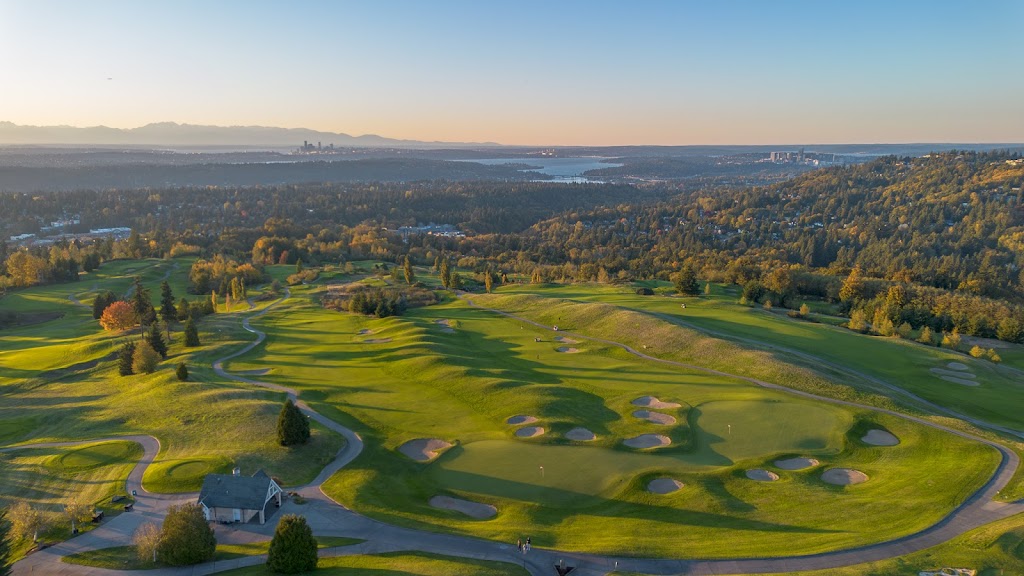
<point x="530" y="74"/>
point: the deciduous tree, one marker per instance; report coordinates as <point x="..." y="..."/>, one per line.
<point x="144" y="359"/>
<point x="146" y="540"/>
<point x="186" y="538"/>
<point x="119" y="316"/>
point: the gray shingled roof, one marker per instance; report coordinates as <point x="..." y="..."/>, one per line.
<point x="227" y="491"/>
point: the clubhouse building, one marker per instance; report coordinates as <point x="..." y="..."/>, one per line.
<point x="235" y="498"/>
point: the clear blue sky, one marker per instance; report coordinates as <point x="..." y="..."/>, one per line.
<point x="527" y="72"/>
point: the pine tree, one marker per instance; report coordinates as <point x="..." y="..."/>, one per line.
<point x="100" y="303"/>
<point x="293" y="548"/>
<point x="191" y="334"/>
<point x="292" y="425"/>
<point x="182" y="372"/>
<point x="124" y="359"/>
<point x="167" y="309"/>
<point x="184" y="310"/>
<point x="142" y="304"/>
<point x="298" y="266"/>
<point x="445" y="273"/>
<point x="410" y="277"/>
<point x="156" y="340"/>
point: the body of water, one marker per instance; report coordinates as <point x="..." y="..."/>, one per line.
<point x="560" y="169"/>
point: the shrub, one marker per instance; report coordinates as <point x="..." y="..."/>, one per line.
<point x="191" y="334"/>
<point x="182" y="372"/>
<point x="125" y="358"/>
<point x="977" y="351"/>
<point x="293" y="548"/>
<point x="644" y="291"/>
<point x="145" y="359"/>
<point x="186" y="538"/>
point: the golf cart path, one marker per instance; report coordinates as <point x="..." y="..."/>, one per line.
<point x="330" y="518"/>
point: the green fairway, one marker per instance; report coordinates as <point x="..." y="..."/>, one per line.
<point x="400" y="564"/>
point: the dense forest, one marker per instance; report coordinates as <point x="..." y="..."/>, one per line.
<point x="935" y="241"/>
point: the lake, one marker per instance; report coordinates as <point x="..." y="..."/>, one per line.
<point x="560" y="169"/>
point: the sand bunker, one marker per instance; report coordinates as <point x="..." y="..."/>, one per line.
<point x="664" y="485"/>
<point x="365" y="331"/>
<point x="953" y="373"/>
<point x="471" y="509"/>
<point x="880" y="438"/>
<point x="580" y="435"/>
<point x="424" y="449"/>
<point x="960" y="381"/>
<point x="521" y="419"/>
<point x="648" y="441"/>
<point x="653" y="402"/>
<point x="567" y="350"/>
<point x="844" y="476"/>
<point x="376" y="340"/>
<point x="762" y="475"/>
<point x="655" y="417"/>
<point x="446" y="326"/>
<point x="566" y="340"/>
<point x="957" y="366"/>
<point x="529" y="432"/>
<point x="796" y="463"/>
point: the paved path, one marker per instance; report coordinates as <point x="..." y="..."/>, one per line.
<point x="330" y="518"/>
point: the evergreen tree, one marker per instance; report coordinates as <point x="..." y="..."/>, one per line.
<point x="142" y="304"/>
<point x="191" y="334"/>
<point x="184" y="310"/>
<point x="292" y="425"/>
<point x="124" y="359"/>
<point x="182" y="372"/>
<point x="167" y="309"/>
<point x="455" y="281"/>
<point x="298" y="266"/>
<point x="445" y="273"/>
<point x="186" y="537"/>
<point x="156" y="340"/>
<point x="293" y="548"/>
<point x="410" y="277"/>
<point x="100" y="303"/>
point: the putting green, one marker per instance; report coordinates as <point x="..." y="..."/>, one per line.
<point x="184" y="475"/>
<point x="96" y="455"/>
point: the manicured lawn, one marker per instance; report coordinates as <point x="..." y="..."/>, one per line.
<point x="399" y="563"/>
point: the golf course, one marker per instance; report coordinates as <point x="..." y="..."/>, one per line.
<point x="594" y="420"/>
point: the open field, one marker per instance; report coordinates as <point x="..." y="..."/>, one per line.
<point x="461" y="384"/>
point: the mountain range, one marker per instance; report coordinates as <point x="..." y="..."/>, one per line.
<point x="172" y="134"/>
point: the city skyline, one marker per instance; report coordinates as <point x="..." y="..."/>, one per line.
<point x="527" y="74"/>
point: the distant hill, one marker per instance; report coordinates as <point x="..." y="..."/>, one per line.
<point x="171" y="134"/>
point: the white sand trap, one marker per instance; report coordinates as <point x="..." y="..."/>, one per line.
<point x="880" y="438"/>
<point x="953" y="373"/>
<point x="653" y="402"/>
<point x="529" y="432"/>
<point x="664" y="485"/>
<point x="567" y="350"/>
<point x="376" y="340"/>
<point x="424" y="449"/>
<point x="521" y="419"/>
<point x="446" y="326"/>
<point x="469" y="508"/>
<point x="957" y="366"/>
<point x="960" y="381"/>
<point x="566" y="340"/>
<point x="844" y="476"/>
<point x="655" y="417"/>
<point x="648" y="441"/>
<point x="796" y="463"/>
<point x="365" y="331"/>
<point x="762" y="475"/>
<point x="580" y="435"/>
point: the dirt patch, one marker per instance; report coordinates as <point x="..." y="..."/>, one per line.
<point x="844" y="476"/>
<point x="762" y="475"/>
<point x="446" y="326"/>
<point x="566" y="340"/>
<point x="424" y="449"/>
<point x="664" y="485"/>
<point x="521" y="419"/>
<point x="530" y="432"/>
<point x="644" y="441"/>
<point x="580" y="435"/>
<point x="653" y="402"/>
<point x="467" y="507"/>
<point x="796" y="463"/>
<point x="567" y="350"/>
<point x="376" y="340"/>
<point x="880" y="438"/>
<point x="654" y="417"/>
<point x="961" y="381"/>
<point x="957" y="366"/>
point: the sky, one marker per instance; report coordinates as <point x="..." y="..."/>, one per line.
<point x="531" y="73"/>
